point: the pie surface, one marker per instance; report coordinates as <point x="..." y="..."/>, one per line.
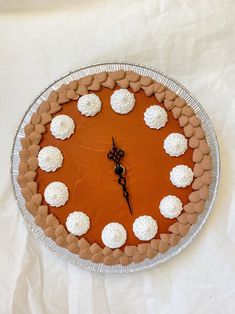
<point x="89" y="174"/>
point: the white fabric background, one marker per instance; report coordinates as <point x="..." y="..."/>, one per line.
<point x="194" y="42"/>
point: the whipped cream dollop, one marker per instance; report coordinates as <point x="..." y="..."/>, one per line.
<point x="170" y="206"/>
<point x="50" y="158"/>
<point x="181" y="176"/>
<point x="56" y="194"/>
<point x="175" y="144"/>
<point x="122" y="101"/>
<point x="78" y="223"/>
<point x="89" y="105"/>
<point x="114" y="235"/>
<point x="62" y="126"/>
<point x="145" y="228"/>
<point x="155" y="117"/>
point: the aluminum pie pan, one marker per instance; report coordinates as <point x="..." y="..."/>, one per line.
<point x="210" y="136"/>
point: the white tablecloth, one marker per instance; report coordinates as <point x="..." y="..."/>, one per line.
<point x="194" y="42"/>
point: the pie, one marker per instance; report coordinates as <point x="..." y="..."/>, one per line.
<point x="115" y="167"/>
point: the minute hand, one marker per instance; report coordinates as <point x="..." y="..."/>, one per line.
<point x="122" y="182"/>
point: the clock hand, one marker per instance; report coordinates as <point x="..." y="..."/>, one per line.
<point x="113" y="142"/>
<point x="122" y="182"/>
<point x="116" y="155"/>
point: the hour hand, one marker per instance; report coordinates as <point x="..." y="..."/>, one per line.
<point x="115" y="153"/>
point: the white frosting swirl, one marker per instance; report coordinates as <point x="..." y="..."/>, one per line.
<point x="145" y="228"/>
<point x="155" y="117"/>
<point x="122" y="101"/>
<point x="170" y="206"/>
<point x="78" y="223"/>
<point x="62" y="126"/>
<point x="114" y="235"/>
<point x="56" y="194"/>
<point x="181" y="176"/>
<point x="50" y="158"/>
<point x="89" y="105"/>
<point x="175" y="144"/>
